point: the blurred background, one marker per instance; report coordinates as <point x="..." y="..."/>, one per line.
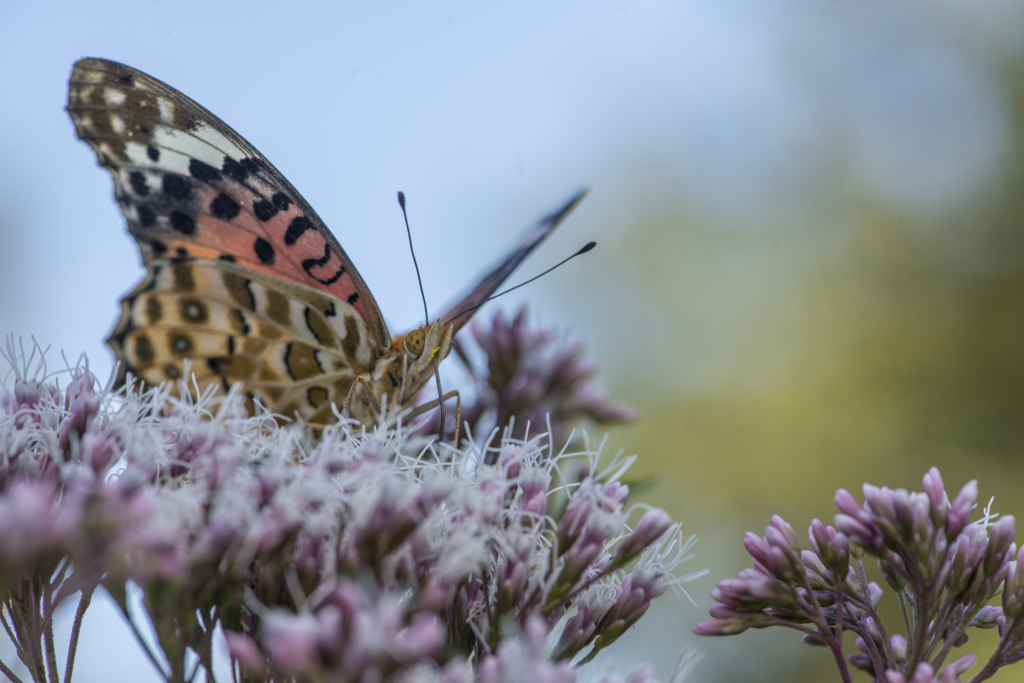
<point x="810" y="216"/>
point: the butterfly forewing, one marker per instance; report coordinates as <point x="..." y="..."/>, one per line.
<point x="460" y="313"/>
<point x="190" y="186"/>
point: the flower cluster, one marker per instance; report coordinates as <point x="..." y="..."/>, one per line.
<point x="358" y="555"/>
<point x="942" y="569"/>
<point x="529" y="380"/>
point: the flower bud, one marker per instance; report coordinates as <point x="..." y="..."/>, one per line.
<point x="720" y="627"/>
<point x="988" y="616"/>
<point x="244" y="649"/>
<point x="1000" y="538"/>
<point x="649" y="529"/>
<point x="892" y="570"/>
<point x="967" y="558"/>
<point x="960" y="509"/>
<point x="899" y="647"/>
<point x="1013" y="589"/>
<point x="933" y="487"/>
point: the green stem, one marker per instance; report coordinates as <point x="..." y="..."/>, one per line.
<point x="76" y="630"/>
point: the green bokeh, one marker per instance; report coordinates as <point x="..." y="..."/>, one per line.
<point x="900" y="347"/>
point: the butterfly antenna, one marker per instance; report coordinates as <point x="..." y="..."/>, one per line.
<point x="586" y="247"/>
<point x="426" y="313"/>
<point x="401" y="203"/>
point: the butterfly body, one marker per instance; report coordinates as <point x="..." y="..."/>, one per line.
<point x="243" y="281"/>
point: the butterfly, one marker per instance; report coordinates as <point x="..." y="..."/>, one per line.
<point x="244" y="282"/>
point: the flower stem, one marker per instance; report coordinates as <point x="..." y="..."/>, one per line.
<point x="76" y="630"/>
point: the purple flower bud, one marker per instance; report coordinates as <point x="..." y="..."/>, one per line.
<point x="879" y="502"/>
<point x="1000" y="538"/>
<point x="861" y="662"/>
<point x="244" y="649"/>
<point x="899" y="647"/>
<point x="534" y="486"/>
<point x="951" y="674"/>
<point x="720" y="627"/>
<point x="649" y="529"/>
<point x="960" y="509"/>
<point x="988" y="616"/>
<point x="814" y="640"/>
<point x="967" y="557"/>
<point x="831" y="546"/>
<point x="580" y="555"/>
<point x="923" y="674"/>
<point x="847" y="504"/>
<point x="875" y="593"/>
<point x="892" y="570"/>
<point x="787" y="538"/>
<point x="815" y="571"/>
<point x="511" y="460"/>
<point x="82" y="405"/>
<point x="821" y="538"/>
<point x="99" y="451"/>
<point x="1013" y="589"/>
<point x="577" y="633"/>
<point x="292" y="641"/>
<point x="756" y="546"/>
<point x="933" y="487"/>
<point x="752" y="591"/>
<point x="422" y="639"/>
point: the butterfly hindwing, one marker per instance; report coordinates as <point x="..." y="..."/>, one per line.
<point x="190" y="186"/>
<point x="295" y="348"/>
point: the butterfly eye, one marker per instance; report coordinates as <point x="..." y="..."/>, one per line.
<point x="414" y="342"/>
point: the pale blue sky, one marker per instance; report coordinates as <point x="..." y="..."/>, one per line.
<point x="486" y="116"/>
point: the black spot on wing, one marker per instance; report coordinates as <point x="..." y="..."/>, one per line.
<point x="241" y="169"/>
<point x="193" y="310"/>
<point x="138" y="182"/>
<point x="181" y="344"/>
<point x="176" y="187"/>
<point x="226" y="257"/>
<point x="281" y="201"/>
<point x="309" y="264"/>
<point x="264" y="210"/>
<point x="153" y="153"/>
<point x="144" y="350"/>
<point x="353" y="298"/>
<point x="264" y="250"/>
<point x="298" y="227"/>
<point x="224" y="207"/>
<point x="146" y="216"/>
<point x="183" y="223"/>
<point x="204" y="172"/>
<point x="154" y="310"/>
<point x="157" y="246"/>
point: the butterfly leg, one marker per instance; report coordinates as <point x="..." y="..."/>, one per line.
<point x="419" y="410"/>
<point x="372" y="398"/>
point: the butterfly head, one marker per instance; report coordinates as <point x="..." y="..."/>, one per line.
<point x="417" y="351"/>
